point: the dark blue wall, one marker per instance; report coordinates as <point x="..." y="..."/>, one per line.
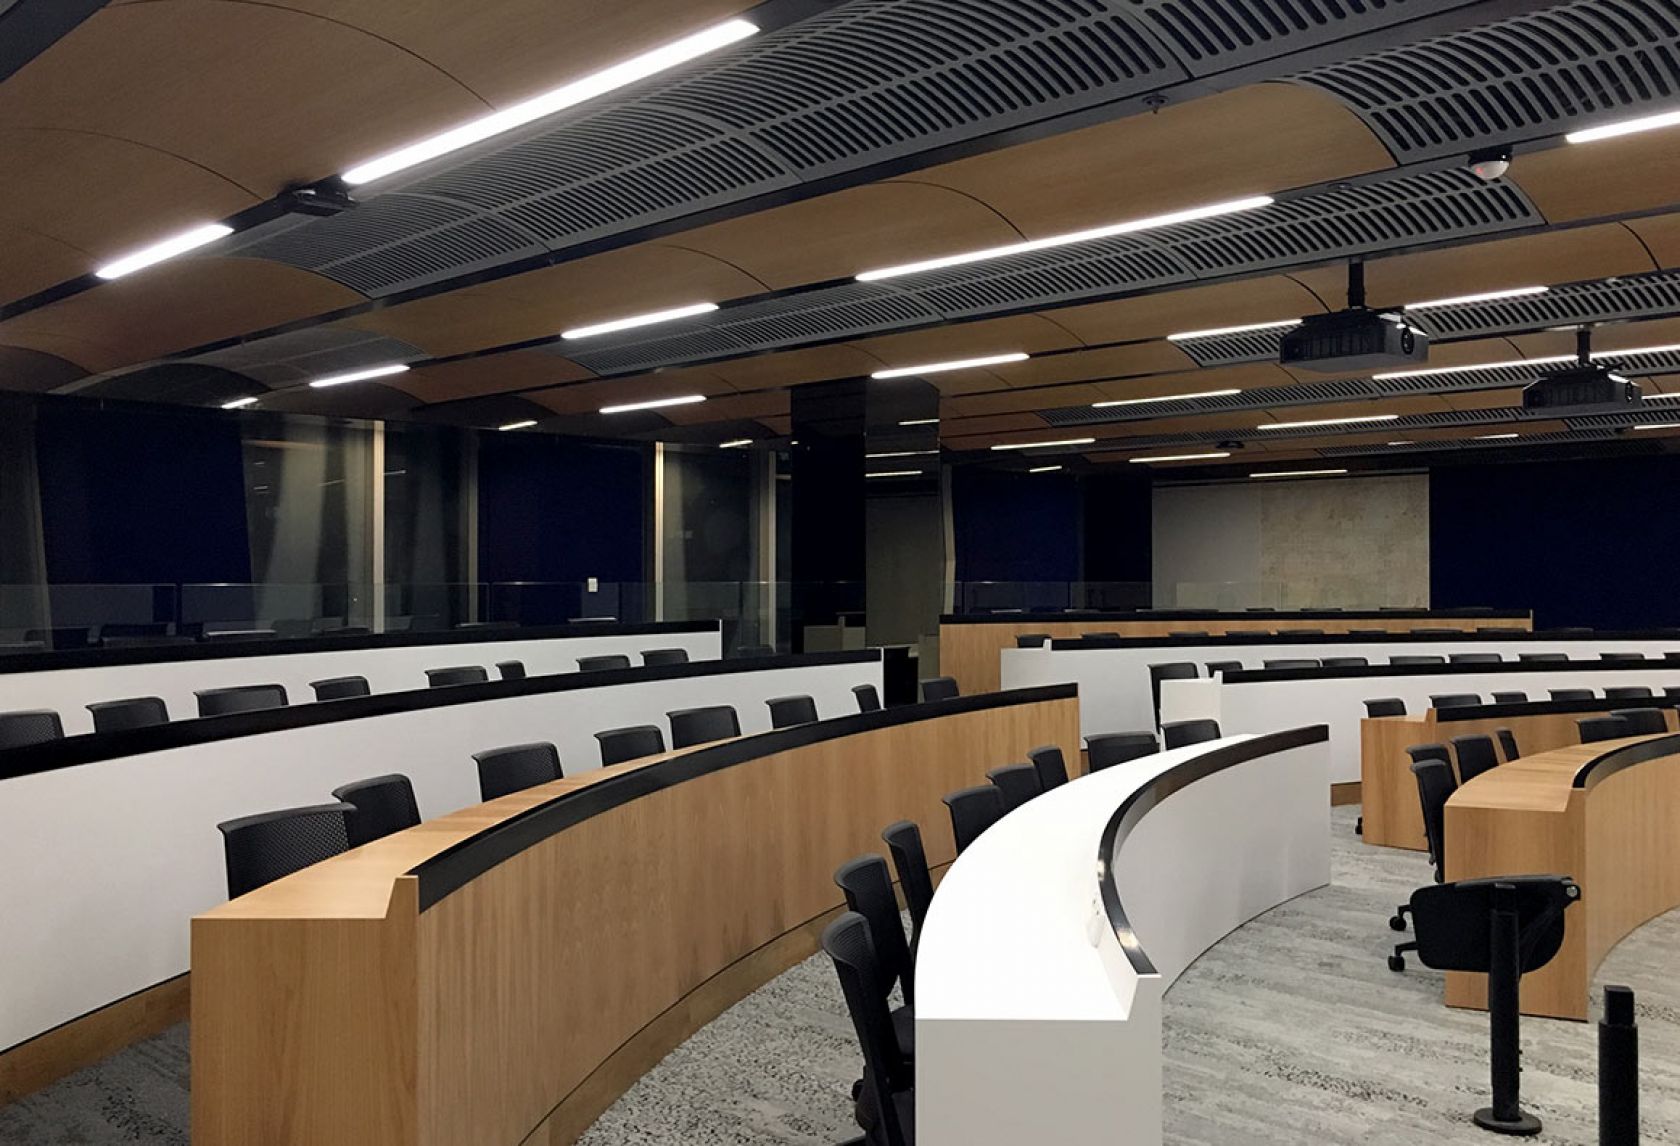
<point x="130" y="497"/>
<point x="1579" y="542"/>
<point x="1015" y="526"/>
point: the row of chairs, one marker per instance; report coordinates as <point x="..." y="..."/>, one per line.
<point x="1039" y="640"/>
<point x="1395" y="706"/>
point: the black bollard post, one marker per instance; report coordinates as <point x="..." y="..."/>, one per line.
<point x="1506" y="1115"/>
<point x="1618" y="1070"/>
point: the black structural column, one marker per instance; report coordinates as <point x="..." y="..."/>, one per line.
<point x="829" y="560"/>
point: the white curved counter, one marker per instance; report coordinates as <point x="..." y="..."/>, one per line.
<point x="1040" y="974"/>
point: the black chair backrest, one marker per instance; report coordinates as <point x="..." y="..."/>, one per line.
<point x="1440" y="700"/>
<point x="1570" y="693"/>
<point x="1511" y="697"/>
<point x="1196" y="633"/>
<point x="1107" y="749"/>
<point x="261" y="849"/>
<point x="384" y="804"/>
<point x="868" y="700"/>
<point x="1627" y="692"/>
<point x="1475" y="754"/>
<point x="1293" y="663"/>
<point x="1214" y="668"/>
<point x="1429" y="752"/>
<point x="134" y="712"/>
<point x="456" y="674"/>
<point x="1300" y="632"/>
<point x="1344" y="662"/>
<point x="1435" y="785"/>
<point x="691" y="726"/>
<point x="885" y="1071"/>
<point x="1417" y="659"/>
<point x="1052" y="769"/>
<point x="1642" y="721"/>
<point x="29" y="726"/>
<point x="604" y="662"/>
<point x="787" y="711"/>
<point x="1367" y="632"/>
<point x="665" y="656"/>
<point x="1507" y="743"/>
<point x="1475" y="658"/>
<point x="1016" y="783"/>
<point x="940" y="688"/>
<point x="633" y="743"/>
<point x="240" y="698"/>
<point x="1436" y="632"/>
<point x="340" y="687"/>
<point x="1594" y="728"/>
<point x="1180" y="733"/>
<point x="867" y="885"/>
<point x="1174" y="670"/>
<point x="973" y="810"/>
<point x="1621" y="656"/>
<point x="1031" y="640"/>
<point x="904" y="841"/>
<point x="511" y="670"/>
<point x="512" y="769"/>
<point x="1385" y="706"/>
<point x="1543" y="658"/>
<point x="756" y="651"/>
<point x="1672" y="691"/>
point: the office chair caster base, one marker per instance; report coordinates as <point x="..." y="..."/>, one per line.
<point x="1523" y="1125"/>
<point x="1397" y="922"/>
<point x="1359" y="826"/>
<point x="1396" y="963"/>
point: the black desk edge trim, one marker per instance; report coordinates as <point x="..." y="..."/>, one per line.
<point x="1350" y="672"/>
<point x="455" y="867"/>
<point x="1603" y="767"/>
<point x="1262" y="640"/>
<point x="1027" y="618"/>
<point x="1141" y="802"/>
<point x="1548" y="708"/>
<point x="93" y="747"/>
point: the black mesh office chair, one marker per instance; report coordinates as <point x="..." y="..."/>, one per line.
<point x="456" y="674"/>
<point x="1475" y="659"/>
<point x="1052" y="769"/>
<point x="1183" y="733"/>
<point x="1570" y="694"/>
<point x="868" y="700"/>
<point x="1214" y="668"/>
<point x="1641" y="721"/>
<point x="634" y="743"/>
<point x="904" y="841"/>
<point x="1507" y="743"/>
<point x="886" y="1096"/>
<point x="240" y="698"/>
<point x="1107" y="749"/>
<point x="1417" y="659"/>
<point x="1031" y="640"/>
<point x="511" y="670"/>
<point x="340" y="687"/>
<point x="940" y="688"/>
<point x="787" y="711"/>
<point x="1174" y="670"/>
<point x="691" y="726"/>
<point x="665" y="657"/>
<point x="1440" y="700"/>
<point x="1385" y="706"/>
<point x="1596" y="728"/>
<point x="1627" y="692"/>
<point x="1475" y="754"/>
<point x="604" y="662"/>
<point x="1016" y="783"/>
<point x="1345" y="662"/>
<point x="1624" y="657"/>
<point x="867" y="886"/>
<point x="30" y="726"/>
<point x="515" y="768"/>
<point x="746" y="651"/>
<point x="261" y="849"/>
<point x="973" y="810"/>
<point x="133" y="712"/>
<point x="1292" y="663"/>
<point x="1436" y="784"/>
<point x="384" y="804"/>
<point x="1510" y="697"/>
<point x="1543" y="658"/>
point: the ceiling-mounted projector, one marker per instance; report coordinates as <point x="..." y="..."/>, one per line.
<point x="1586" y="385"/>
<point x="1353" y="340"/>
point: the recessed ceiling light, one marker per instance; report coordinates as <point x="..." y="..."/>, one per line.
<point x="1294" y="473"/>
<point x="1044" y="469"/>
<point x="1625" y="127"/>
<point x="1221" y="331"/>
<point x="1182" y="457"/>
<point x="525" y="425"/>
<point x="568" y="95"/>
<point x="1044" y="445"/>
<point x="1487" y="296"/>
<point x="920" y="422"/>
<point x="1658" y="426"/>
<point x="954" y="364"/>
<point x="240" y="403"/>
<point x="735" y="444"/>
<point x="903" y="454"/>
<point x="896" y="474"/>
<point x="167" y="249"/>
<point x="363" y="375"/>
<point x="1494" y="437"/>
<point x="1403" y="442"/>
<point x="1329" y="422"/>
<point x="1126" y="228"/>
<point x="654" y="404"/>
<point x="636" y="320"/>
<point x="1164" y="398"/>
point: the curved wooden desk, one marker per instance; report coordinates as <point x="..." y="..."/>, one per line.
<point x="500" y="975"/>
<point x="1606" y="814"/>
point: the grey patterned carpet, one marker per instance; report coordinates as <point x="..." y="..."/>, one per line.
<point x="1290" y="1031"/>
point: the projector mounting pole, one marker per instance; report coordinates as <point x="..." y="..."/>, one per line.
<point x="1356" y="283"/>
<point x="1583" y="346"/>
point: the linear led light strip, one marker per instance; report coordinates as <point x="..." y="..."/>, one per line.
<point x="524" y="425"/>
<point x="1044" y="445"/>
<point x="1364" y="418"/>
<point x="902" y="454"/>
<point x="360" y="375"/>
<point x="636" y="320"/>
<point x="240" y="403"/>
<point x="1181" y="457"/>
<point x="1150" y="223"/>
<point x="1164" y="398"/>
<point x="1222" y="331"/>
<point x="1284" y="324"/>
<point x="166" y="249"/>
<point x="1520" y="363"/>
<point x="1044" y="469"/>
<point x="954" y="364"/>
<point x="1295" y="473"/>
<point x="895" y="474"/>
<point x="567" y="95"/>
<point x="1625" y="127"/>
<point x="654" y="404"/>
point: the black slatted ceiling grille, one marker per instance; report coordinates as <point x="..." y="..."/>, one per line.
<point x="1231" y="349"/>
<point x="287" y="359"/>
<point x="1633" y="296"/>
<point x="1210" y="35"/>
<point x="1532" y="75"/>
